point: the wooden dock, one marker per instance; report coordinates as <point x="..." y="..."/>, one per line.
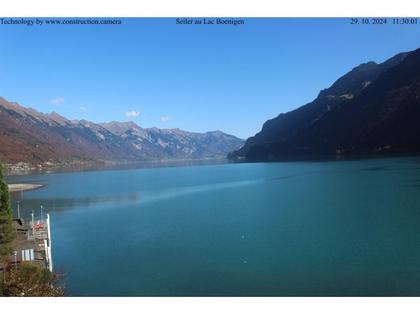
<point x="33" y="242"/>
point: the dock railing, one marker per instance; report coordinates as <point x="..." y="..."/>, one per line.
<point x="40" y="231"/>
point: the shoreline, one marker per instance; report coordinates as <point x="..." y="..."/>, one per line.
<point x="23" y="187"/>
<point x="26" y="169"/>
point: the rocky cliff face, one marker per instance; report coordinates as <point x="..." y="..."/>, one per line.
<point x="375" y="108"/>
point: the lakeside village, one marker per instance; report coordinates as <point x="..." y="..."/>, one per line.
<point x="25" y="168"/>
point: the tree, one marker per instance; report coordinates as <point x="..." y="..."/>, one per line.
<point x="7" y="231"/>
<point x="29" y="279"/>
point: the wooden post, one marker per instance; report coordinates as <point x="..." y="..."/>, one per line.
<point x="33" y="224"/>
<point x="50" y="264"/>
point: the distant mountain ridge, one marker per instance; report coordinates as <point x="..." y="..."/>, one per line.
<point x="374" y="108"/>
<point x="163" y="143"/>
<point x="27" y="135"/>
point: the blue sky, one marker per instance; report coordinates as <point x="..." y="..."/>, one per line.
<point x="193" y="77"/>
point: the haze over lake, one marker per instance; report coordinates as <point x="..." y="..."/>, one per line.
<point x="263" y="229"/>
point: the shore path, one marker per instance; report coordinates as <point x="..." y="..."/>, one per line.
<point x="23" y="187"/>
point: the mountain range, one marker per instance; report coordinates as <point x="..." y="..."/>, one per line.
<point x="29" y="136"/>
<point x="373" y="109"/>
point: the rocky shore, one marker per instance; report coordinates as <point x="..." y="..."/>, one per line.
<point x="23" y="187"/>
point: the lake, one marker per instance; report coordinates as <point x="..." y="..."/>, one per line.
<point x="341" y="228"/>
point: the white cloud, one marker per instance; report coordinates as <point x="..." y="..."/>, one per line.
<point x="83" y="108"/>
<point x="165" y="118"/>
<point x="132" y="114"/>
<point x="57" y="101"/>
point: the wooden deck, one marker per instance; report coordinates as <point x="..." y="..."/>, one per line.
<point x="32" y="236"/>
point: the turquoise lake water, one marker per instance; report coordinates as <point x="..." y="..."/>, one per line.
<point x="344" y="228"/>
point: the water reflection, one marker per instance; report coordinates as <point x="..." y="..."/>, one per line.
<point x="27" y="204"/>
<point x="63" y="204"/>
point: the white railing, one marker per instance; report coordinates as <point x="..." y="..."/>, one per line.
<point x="41" y="230"/>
